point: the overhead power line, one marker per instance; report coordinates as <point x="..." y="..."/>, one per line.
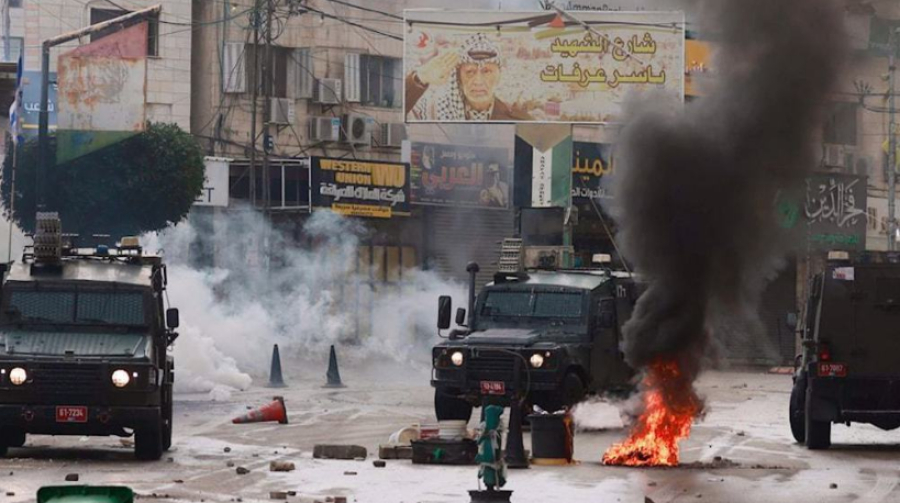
<point x="367" y="9"/>
<point x="351" y="23"/>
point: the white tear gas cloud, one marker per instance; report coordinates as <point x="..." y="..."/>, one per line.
<point x="305" y="297"/>
<point x="697" y="189"/>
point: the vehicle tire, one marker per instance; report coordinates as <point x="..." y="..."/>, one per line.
<point x="14" y="438"/>
<point x="148" y="442"/>
<point x="572" y="391"/>
<point x="797" y="410"/>
<point x="818" y="433"/>
<point x="167" y="417"/>
<point x="450" y="408"/>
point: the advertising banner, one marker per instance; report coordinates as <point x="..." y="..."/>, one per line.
<point x="30" y="107"/>
<point x="462" y="176"/>
<point x="102" y="92"/>
<point x="215" y="183"/>
<point x="543" y="166"/>
<point x="592" y="169"/>
<point x="475" y="66"/>
<point x="835" y="211"/>
<point x="375" y="189"/>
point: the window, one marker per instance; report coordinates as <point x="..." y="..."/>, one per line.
<point x="533" y="304"/>
<point x="120" y="308"/>
<point x="277" y="68"/>
<point x="101" y="15"/>
<point x="15" y="50"/>
<point x="15" y="4"/>
<point x="840" y="125"/>
<point x="381" y="81"/>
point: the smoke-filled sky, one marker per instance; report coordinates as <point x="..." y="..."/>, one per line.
<point x="697" y="189"/>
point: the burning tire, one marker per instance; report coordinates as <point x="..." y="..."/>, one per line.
<point x="450" y="408"/>
<point x="797" y="410"/>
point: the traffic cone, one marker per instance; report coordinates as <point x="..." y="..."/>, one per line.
<point x="333" y="375"/>
<point x="275" y="378"/>
<point x="274" y="411"/>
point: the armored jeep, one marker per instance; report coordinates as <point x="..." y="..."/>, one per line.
<point x="83" y="344"/>
<point x="849" y="369"/>
<point x="550" y="336"/>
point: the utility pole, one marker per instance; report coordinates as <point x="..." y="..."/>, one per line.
<point x="892" y="146"/>
<point x="254" y="96"/>
<point x="268" y="70"/>
<point x="6" y="28"/>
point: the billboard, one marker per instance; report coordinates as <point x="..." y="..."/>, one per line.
<point x="462" y="176"/>
<point x="473" y="66"/>
<point x="375" y="189"/>
<point x="30" y="108"/>
<point x="592" y="169"/>
<point x="102" y="92"/>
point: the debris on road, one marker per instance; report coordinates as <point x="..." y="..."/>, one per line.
<point x="832" y="486"/>
<point x="273" y="411"/>
<point x="339" y="452"/>
<point x="379" y="463"/>
<point x="242" y="471"/>
<point x="349" y="473"/>
<point x="278" y="495"/>
<point x="395" y="452"/>
<point x="227" y="449"/>
<point x="72" y="477"/>
<point x="281" y="466"/>
<point x="230" y="464"/>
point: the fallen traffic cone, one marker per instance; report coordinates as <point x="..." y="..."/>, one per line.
<point x="275" y="379"/>
<point x="333" y="375"/>
<point x="274" y="411"/>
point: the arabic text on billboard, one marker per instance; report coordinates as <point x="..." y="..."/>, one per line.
<point x="471" y="66"/>
<point x="835" y="210"/>
<point x="453" y="175"/>
<point x="373" y="189"/>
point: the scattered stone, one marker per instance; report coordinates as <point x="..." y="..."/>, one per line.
<point x="230" y="464"/>
<point x="170" y="460"/>
<point x="242" y="471"/>
<point x="10" y="493"/>
<point x="379" y="463"/>
<point x="278" y="495"/>
<point x="349" y="473"/>
<point x="340" y="499"/>
<point x="652" y="484"/>
<point x="648" y="500"/>
<point x="339" y="452"/>
<point x="717" y="459"/>
<point x="178" y="481"/>
<point x="281" y="466"/>
<point x="395" y="452"/>
<point x="832" y="486"/>
<point x="741" y="434"/>
<point x="72" y="477"/>
<point x="699" y="496"/>
<point x="227" y="449"/>
<point x="255" y="455"/>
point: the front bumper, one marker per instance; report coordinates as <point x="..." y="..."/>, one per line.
<point x="467" y="385"/>
<point x="102" y="420"/>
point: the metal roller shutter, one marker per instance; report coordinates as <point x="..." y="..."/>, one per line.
<point x="458" y="236"/>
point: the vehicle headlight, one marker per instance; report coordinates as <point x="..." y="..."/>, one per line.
<point x="120" y="378"/>
<point x="18" y="376"/>
<point x="457" y="358"/>
<point x="537" y="360"/>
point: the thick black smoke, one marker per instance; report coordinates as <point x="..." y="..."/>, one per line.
<point x="698" y="188"/>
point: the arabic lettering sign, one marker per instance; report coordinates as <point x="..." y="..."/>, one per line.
<point x="30" y="110"/>
<point x="373" y="189"/>
<point x="835" y="211"/>
<point x="471" y="66"/>
<point x="454" y="175"/>
<point x="102" y="92"/>
<point x="592" y="168"/>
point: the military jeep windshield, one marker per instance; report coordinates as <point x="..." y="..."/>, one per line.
<point x="74" y="307"/>
<point x="536" y="304"/>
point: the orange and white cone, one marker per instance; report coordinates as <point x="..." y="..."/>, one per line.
<point x="274" y="411"/>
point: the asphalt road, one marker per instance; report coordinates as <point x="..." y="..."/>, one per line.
<point x="741" y="451"/>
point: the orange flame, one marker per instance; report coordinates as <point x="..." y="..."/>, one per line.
<point x="670" y="405"/>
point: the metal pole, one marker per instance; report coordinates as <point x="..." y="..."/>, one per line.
<point x="254" y="95"/>
<point x="268" y="70"/>
<point x="892" y="147"/>
<point x="43" y="127"/>
<point x="6" y="28"/>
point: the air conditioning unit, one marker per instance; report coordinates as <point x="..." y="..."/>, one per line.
<point x="838" y="156"/>
<point x="281" y="111"/>
<point x="328" y="91"/>
<point x="546" y="257"/>
<point x="393" y="134"/>
<point x="358" y="129"/>
<point x="325" y="128"/>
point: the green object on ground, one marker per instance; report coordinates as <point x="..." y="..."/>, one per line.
<point x="490" y="453"/>
<point x="85" y="494"/>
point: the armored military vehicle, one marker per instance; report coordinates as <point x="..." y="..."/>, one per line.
<point x="849" y="369"/>
<point x="550" y="335"/>
<point x="83" y="343"/>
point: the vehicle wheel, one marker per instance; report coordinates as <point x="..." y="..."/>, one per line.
<point x="818" y="433"/>
<point x="797" y="410"/>
<point x="572" y="390"/>
<point x="167" y="417"/>
<point x="148" y="442"/>
<point x="14" y="438"/>
<point x="450" y="408"/>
